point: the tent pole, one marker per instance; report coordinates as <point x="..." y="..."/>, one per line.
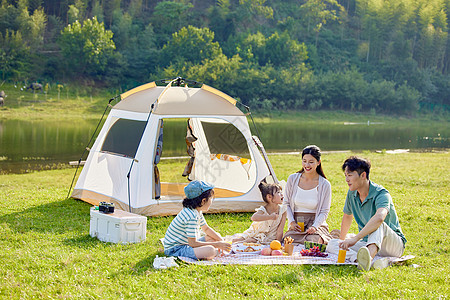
<point x="87" y="147"/>
<point x="128" y="178"/>
<point x="134" y="159"/>
<point x="258" y="143"/>
<point x="253" y="121"/>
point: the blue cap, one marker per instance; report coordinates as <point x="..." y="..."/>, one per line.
<point x="196" y="188"/>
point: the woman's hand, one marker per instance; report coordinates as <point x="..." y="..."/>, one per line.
<point x="311" y="230"/>
<point x="294" y="226"/>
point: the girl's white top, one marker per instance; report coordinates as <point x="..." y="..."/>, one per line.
<point x="265" y="231"/>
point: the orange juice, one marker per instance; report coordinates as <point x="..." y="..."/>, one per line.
<point x="302" y="225"/>
<point x="341" y="256"/>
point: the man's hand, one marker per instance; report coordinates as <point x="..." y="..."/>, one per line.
<point x="347" y="243"/>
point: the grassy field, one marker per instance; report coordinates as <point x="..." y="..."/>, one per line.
<point x="47" y="252"/>
<point x="63" y="102"/>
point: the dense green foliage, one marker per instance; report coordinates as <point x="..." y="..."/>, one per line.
<point x="360" y="55"/>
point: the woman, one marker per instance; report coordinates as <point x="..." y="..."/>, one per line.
<point x="308" y="200"/>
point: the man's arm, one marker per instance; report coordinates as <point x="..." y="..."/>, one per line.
<point x="373" y="224"/>
<point x="345" y="225"/>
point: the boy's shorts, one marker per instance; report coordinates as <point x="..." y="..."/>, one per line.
<point x="182" y="250"/>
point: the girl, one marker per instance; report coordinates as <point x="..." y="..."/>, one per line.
<point x="308" y="200"/>
<point x="183" y="235"/>
<point x="268" y="220"/>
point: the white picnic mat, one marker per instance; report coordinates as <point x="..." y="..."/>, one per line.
<point x="295" y="259"/>
<point x="256" y="259"/>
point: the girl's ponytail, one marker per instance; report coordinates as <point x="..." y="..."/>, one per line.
<point x="268" y="189"/>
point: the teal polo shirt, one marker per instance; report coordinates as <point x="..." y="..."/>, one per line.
<point x="362" y="212"/>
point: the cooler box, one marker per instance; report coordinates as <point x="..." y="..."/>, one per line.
<point x="119" y="227"/>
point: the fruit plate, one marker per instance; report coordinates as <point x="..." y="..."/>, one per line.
<point x="247" y="248"/>
<point x="309" y="245"/>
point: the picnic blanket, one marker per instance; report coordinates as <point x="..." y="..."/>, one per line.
<point x="295" y="259"/>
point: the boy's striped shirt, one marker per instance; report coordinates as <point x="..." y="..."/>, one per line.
<point x="186" y="225"/>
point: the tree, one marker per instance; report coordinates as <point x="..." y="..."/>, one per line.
<point x="97" y="11"/>
<point x="9" y="17"/>
<point x="190" y="46"/>
<point x="318" y="13"/>
<point x="35" y="4"/>
<point x="251" y="13"/>
<point x="170" y="16"/>
<point x="141" y="55"/>
<point x="123" y="28"/>
<point x="109" y="7"/>
<point x="14" y="56"/>
<point x="38" y="22"/>
<point x="86" y="47"/>
<point x="432" y="42"/>
<point x="282" y="51"/>
<point x="279" y="50"/>
<point x="221" y="20"/>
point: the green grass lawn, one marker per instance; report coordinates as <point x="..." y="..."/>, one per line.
<point x="47" y="252"/>
<point x="67" y="104"/>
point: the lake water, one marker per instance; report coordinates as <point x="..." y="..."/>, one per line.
<point x="39" y="145"/>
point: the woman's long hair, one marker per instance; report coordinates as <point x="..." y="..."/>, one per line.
<point x="315" y="152"/>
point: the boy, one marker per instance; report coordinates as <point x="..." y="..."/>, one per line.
<point x="183" y="235"/>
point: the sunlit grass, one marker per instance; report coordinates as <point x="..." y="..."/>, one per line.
<point x="70" y="103"/>
<point x="47" y="252"/>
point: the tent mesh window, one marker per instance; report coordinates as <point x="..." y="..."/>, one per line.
<point x="225" y="138"/>
<point x="124" y="137"/>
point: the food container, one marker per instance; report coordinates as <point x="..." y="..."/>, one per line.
<point x="289" y="249"/>
<point x="309" y="245"/>
<point x="118" y="227"/>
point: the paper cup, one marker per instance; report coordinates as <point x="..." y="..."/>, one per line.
<point x="289" y="249"/>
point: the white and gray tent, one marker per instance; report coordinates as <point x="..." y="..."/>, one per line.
<point x="122" y="163"/>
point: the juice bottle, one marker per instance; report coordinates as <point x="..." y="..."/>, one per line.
<point x="341" y="256"/>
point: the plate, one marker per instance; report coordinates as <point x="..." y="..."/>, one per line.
<point x="247" y="248"/>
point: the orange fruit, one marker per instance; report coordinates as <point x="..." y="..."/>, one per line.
<point x="275" y="245"/>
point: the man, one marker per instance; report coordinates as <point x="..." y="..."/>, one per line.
<point x="373" y="210"/>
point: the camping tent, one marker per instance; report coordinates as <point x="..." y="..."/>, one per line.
<point x="122" y="163"/>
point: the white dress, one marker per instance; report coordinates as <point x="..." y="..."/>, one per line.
<point x="264" y="231"/>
